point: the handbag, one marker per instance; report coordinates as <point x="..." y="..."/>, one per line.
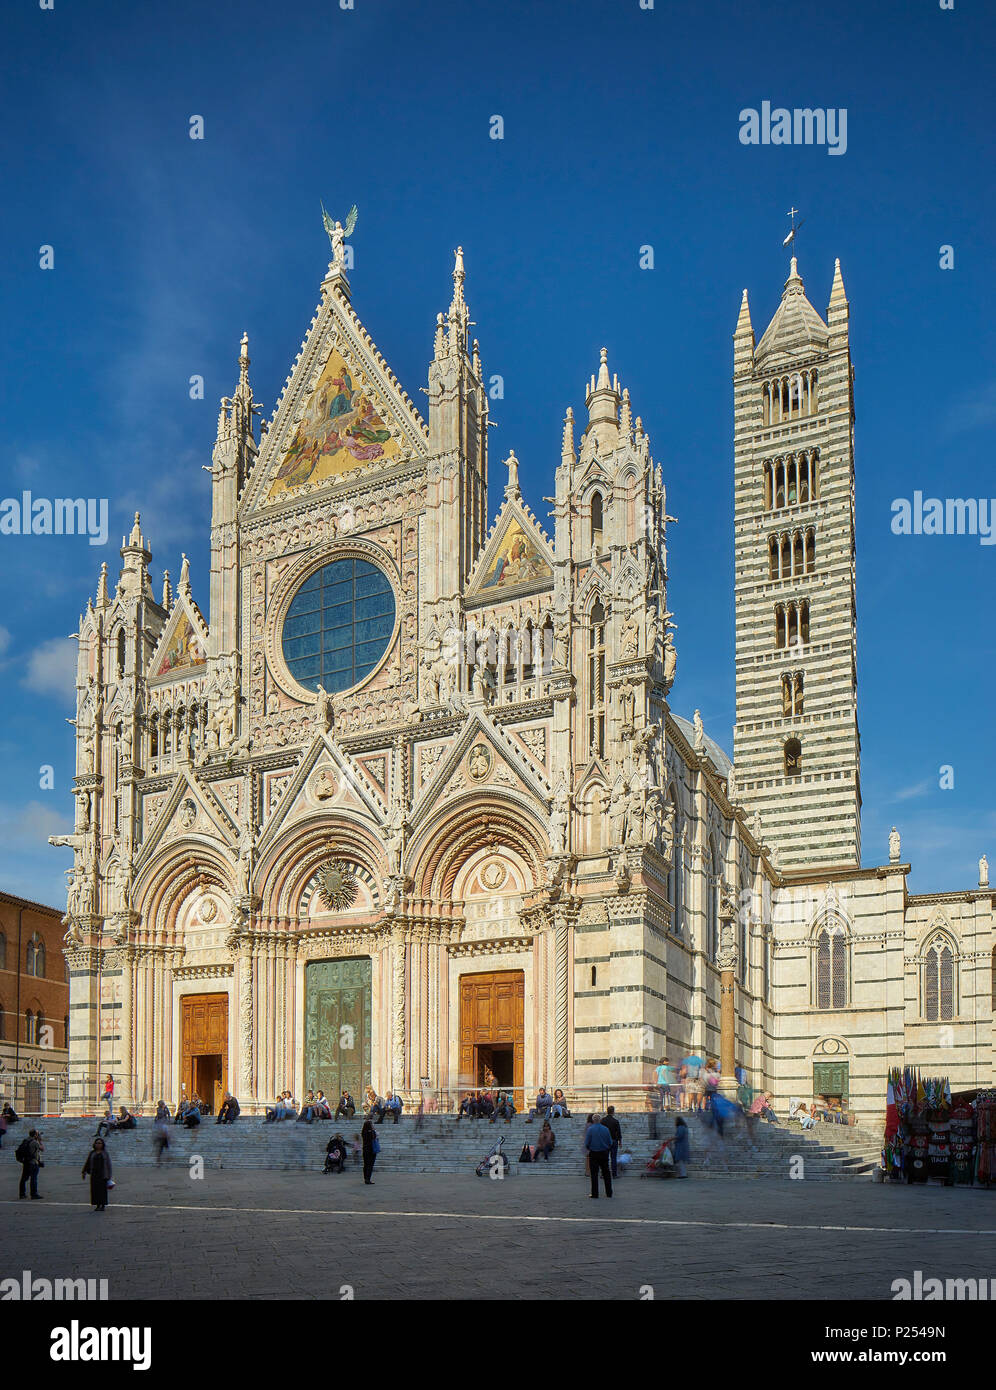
<point x="110" y="1183"/>
<point x="526" y="1156"/>
<point x="376" y="1146"/>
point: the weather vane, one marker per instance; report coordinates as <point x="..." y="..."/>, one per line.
<point x="793" y="213"/>
<point x="337" y="232"/>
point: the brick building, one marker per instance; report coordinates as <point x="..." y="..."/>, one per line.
<point x="34" y="1000"/>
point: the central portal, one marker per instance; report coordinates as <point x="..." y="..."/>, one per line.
<point x="337" y="1027"/>
<point x="204" y="1047"/>
<point x="492" y="1035"/>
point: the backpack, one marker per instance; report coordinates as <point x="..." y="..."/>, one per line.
<point x="22" y="1153"/>
<point x="526" y="1156"/>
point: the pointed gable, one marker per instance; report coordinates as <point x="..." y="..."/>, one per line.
<point x="517" y="556"/>
<point x="342" y="411"/>
<point x="182" y="648"/>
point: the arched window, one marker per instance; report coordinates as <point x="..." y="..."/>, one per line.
<point x="30" y="1027"/>
<point x="793" y="757"/>
<point x="786" y="557"/>
<point x="780" y="484"/>
<point x="804" y="621"/>
<point x="830" y="983"/>
<point x="810" y="551"/>
<point x="596" y="679"/>
<point x="938" y="980"/>
<point x="508" y="657"/>
<point x="767" y="487"/>
<point x="528" y="655"/>
<point x="780" y="628"/>
<point x="596" y="520"/>
<point x="773" y="557"/>
<point x="676" y="872"/>
<point x="121" y="653"/>
<point x="712" y="902"/>
<point x="34" y="963"/>
<point x="797" y="689"/>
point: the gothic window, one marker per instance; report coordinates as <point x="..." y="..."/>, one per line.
<point x="793" y="624"/>
<point x="167" y="723"/>
<point x="786" y="557"/>
<point x="780" y="483"/>
<point x="804" y="621"/>
<point x="797" y="689"/>
<point x="814" y="473"/>
<point x="35" y="957"/>
<point x="596" y="520"/>
<point x="153" y="737"/>
<point x="797" y="560"/>
<point x="712" y="902"/>
<point x="780" y="628"/>
<point x="773" y="557"/>
<point x="831" y="972"/>
<point x="810" y="551"/>
<point x="938" y="980"/>
<point x="813" y="393"/>
<point x="528" y="655"/>
<point x="121" y="653"/>
<point x="768" y="489"/>
<point x="508" y="657"/>
<point x="786" y="697"/>
<point x="596" y="679"/>
<point x="793" y="757"/>
<point x="29" y="1027"/>
<point x="792" y="481"/>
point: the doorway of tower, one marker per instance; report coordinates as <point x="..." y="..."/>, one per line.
<point x="204" y="1047"/>
<point x="492" y="1033"/>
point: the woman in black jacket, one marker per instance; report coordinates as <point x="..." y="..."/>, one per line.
<point x="368" y="1138"/>
<point x="98" y="1165"/>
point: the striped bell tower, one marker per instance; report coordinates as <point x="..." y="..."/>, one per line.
<point x="796" y="743"/>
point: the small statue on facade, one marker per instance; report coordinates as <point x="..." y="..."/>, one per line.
<point x="559" y="818"/>
<point x="699" y="732"/>
<point x="893" y="846"/>
<point x="983" y="872"/>
<point x="323" y="710"/>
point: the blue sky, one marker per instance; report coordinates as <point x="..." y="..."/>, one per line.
<point x="621" y="130"/>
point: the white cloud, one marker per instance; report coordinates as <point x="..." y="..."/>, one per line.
<point x="29" y="826"/>
<point x="4" y="640"/>
<point x="52" y="669"/>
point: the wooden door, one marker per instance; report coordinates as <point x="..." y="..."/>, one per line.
<point x="203" y="1033"/>
<point x="492" y="1011"/>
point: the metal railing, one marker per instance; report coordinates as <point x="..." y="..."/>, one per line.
<point x="31" y="1093"/>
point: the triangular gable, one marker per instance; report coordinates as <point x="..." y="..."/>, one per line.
<point x="342" y="412"/>
<point x="182" y="649"/>
<point x="176" y="819"/>
<point x="517" y="556"/>
<point x="502" y="762"/>
<point x="344" y="775"/>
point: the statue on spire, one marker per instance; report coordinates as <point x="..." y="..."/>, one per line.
<point x="338" y="232"/>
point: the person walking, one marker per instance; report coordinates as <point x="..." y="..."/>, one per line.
<point x="681" y="1149"/>
<point x="371" y="1148"/>
<point x="598" y="1142"/>
<point x="160" y="1141"/>
<point x="98" y="1166"/>
<point x="29" y="1154"/>
<point x="615" y="1129"/>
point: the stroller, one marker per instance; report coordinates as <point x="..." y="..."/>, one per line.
<point x="488" y="1164"/>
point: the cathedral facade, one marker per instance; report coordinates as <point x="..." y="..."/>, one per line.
<point x="410" y="806"/>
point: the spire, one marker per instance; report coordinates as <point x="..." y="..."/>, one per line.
<point x="567" y="452"/>
<point x="838" y="311"/>
<point x="102" y="597"/>
<point x="167" y="592"/>
<point x="743" y="340"/>
<point x="135" y="567"/>
<point x="602" y="401"/>
<point x="512" y="490"/>
<point x="744" y="325"/>
<point x="459" y="315"/>
<point x="244" y="364"/>
<point x="796" y="328"/>
<point x="626" y="415"/>
<point x="439" y="345"/>
<point x="794" y="283"/>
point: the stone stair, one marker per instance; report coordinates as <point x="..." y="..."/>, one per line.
<point x="441" y="1144"/>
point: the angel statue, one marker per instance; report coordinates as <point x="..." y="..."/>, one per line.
<point x="337" y="232"/>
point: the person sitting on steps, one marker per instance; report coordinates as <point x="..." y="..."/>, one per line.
<point x="559" y="1108"/>
<point x="546" y="1141"/>
<point x="309" y="1109"/>
<point x="229" y="1111"/>
<point x="393" y="1105"/>
<point x="541" y="1109"/>
<point x="346" y="1106"/>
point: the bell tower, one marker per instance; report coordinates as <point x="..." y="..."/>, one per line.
<point x="796" y="743"/>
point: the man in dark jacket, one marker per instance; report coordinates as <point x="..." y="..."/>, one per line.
<point x="615" y="1129"/>
<point x="30" y="1153"/>
<point x="598" y="1142"/>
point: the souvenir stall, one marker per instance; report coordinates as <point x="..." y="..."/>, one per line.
<point x="918" y="1117"/>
